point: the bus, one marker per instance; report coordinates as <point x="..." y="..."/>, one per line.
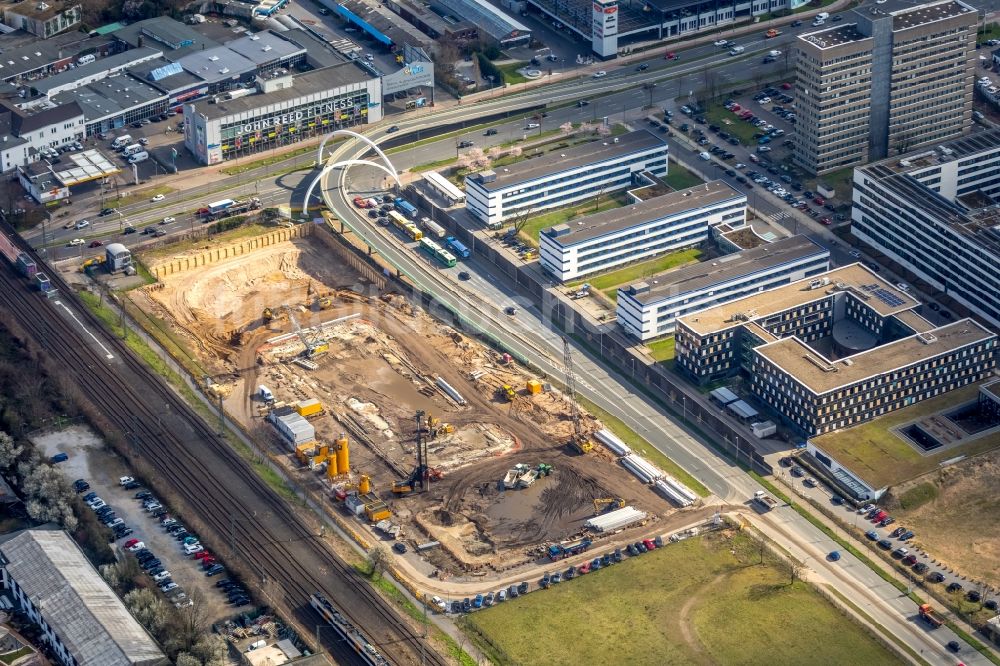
<point x="433" y="228"/>
<point x="457" y="247"/>
<point x="443" y="256"/>
<point x="406" y="208"/>
<point x="396" y="219"/>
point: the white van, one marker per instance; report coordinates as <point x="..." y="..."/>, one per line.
<point x="86" y="59"/>
<point x="141" y="156"/>
<point x="822" y="16"/>
<point x="121" y="141"/>
<point x="131" y="149"/>
<point x="265" y="393"/>
<point x="705" y="156"/>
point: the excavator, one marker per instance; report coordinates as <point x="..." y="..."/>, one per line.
<point x="578" y="442"/>
<point x="507" y="392"/>
<point x="313" y="349"/>
<point x="602" y="504"/>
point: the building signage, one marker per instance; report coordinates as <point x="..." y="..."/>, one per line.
<point x="295" y="116"/>
<point x="414" y="75"/>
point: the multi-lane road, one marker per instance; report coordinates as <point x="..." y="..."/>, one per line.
<point x="480" y="303"/>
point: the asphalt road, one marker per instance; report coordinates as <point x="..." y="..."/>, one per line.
<point x="480" y="304"/>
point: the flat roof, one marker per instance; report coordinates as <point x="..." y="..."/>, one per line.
<point x="993" y="388"/>
<point x="914" y="321"/>
<point x="599" y="150"/>
<point x="178" y="38"/>
<point x="905" y="15"/>
<point x="40" y="10"/>
<point x="854" y="278"/>
<point x="821" y="375"/>
<point x="19" y="54"/>
<point x="111" y="62"/>
<point x="162" y="73"/>
<point x="829" y="38"/>
<point x="310" y="83"/>
<point x="320" y="52"/>
<point x="86" y="166"/>
<point x="218" y="64"/>
<point x="75" y="601"/>
<point x="110" y="96"/>
<point x="264" y="47"/>
<point x="497" y="23"/>
<point x="725" y="268"/>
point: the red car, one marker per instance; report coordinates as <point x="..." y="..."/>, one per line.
<point x="130" y="542"/>
<point x="786" y="86"/>
<point x="208" y="563"/>
<point x="736" y="108"/>
<point x="670" y="56"/>
<point x="819" y="201"/>
<point x="95" y="243"/>
<point x="202" y="555"/>
<point x="584" y="568"/>
<point x="648" y="543"/>
<point x="360" y="203"/>
<point x="879" y="516"/>
<point x="827" y="221"/>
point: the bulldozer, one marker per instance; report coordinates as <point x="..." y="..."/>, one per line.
<point x="507" y="392"/>
<point x="602" y="504"/>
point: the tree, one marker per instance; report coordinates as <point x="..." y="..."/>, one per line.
<point x="566" y="128"/>
<point x="185" y="659"/>
<point x="48" y="494"/>
<point x="494" y="153"/>
<point x="603" y="130"/>
<point x="148" y="609"/>
<point x="515" y="152"/>
<point x="211" y="649"/>
<point x="9" y="451"/>
<point x="189" y="625"/>
<point x="378" y="560"/>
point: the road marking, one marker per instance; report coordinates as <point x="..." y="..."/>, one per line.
<point x="107" y="354"/>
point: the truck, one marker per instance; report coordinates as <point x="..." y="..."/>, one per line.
<point x="512" y="476"/>
<point x="822" y="16"/>
<point x="736" y="50"/>
<point x="566" y="549"/>
<point x="227" y="208"/>
<point x="772" y="33"/>
<point x="764" y="501"/>
<point x="406" y="208"/>
<point x="932" y="616"/>
<point x="457" y="247"/>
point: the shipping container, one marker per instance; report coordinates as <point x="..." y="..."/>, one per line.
<point x="309" y="408"/>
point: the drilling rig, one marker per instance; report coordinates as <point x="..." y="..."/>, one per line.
<point x="579" y="442"/>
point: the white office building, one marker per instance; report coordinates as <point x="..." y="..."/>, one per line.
<point x="81" y="618"/>
<point x="621" y="236"/>
<point x="649" y="309"/>
<point x="558" y="179"/>
<point x="936" y="213"/>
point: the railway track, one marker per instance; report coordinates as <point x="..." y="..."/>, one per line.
<point x="218" y="486"/>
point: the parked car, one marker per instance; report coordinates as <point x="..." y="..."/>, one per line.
<point x="936" y="577"/>
<point x="920" y="568"/>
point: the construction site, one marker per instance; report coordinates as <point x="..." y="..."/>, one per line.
<point x="419" y="433"/>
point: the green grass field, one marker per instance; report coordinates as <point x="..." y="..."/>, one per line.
<point x="662" y="350"/>
<point x="882" y="458"/>
<point x="510" y="74"/>
<point x="720" y="115"/>
<point x="693" y="602"/>
<point x="631" y="273"/>
<point x="680" y="178"/>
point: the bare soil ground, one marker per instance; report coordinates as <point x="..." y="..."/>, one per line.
<point x="959" y="525"/>
<point x="384" y="359"/>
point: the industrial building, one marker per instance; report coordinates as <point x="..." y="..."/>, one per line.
<point x="892" y="76"/>
<point x="613" y="238"/>
<point x="833" y="350"/>
<point x="46" y="183"/>
<point x="42" y="18"/>
<point x="283" y="111"/>
<point x="82" y="620"/>
<point x="26" y="133"/>
<point x="570" y="176"/>
<point x="935" y="213"/>
<point x="649" y="309"/>
<point x="493" y="22"/>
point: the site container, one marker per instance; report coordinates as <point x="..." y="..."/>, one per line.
<point x="294" y="429"/>
<point x="309" y="408"/>
<point x="534" y="386"/>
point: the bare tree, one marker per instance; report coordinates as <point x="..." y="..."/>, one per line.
<point x="148" y="609"/>
<point x="603" y="130"/>
<point x="566" y="128"/>
<point x="378" y="560"/>
<point x="515" y="152"/>
<point x="186" y="659"/>
<point x="494" y="153"/>
<point x="9" y="451"/>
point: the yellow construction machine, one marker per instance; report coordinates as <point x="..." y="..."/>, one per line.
<point x="578" y="442"/>
<point x="603" y="504"/>
<point x="507" y="392"/>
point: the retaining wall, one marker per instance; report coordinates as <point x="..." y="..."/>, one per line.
<point x="226" y="252"/>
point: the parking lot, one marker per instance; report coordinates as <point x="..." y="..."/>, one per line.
<point x="87" y="460"/>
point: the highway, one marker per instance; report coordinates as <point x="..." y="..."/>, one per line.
<point x="479" y="303"/>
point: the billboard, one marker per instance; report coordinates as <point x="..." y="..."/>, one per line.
<point x="412" y="75"/>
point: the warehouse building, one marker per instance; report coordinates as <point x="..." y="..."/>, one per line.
<point x="26" y="133"/>
<point x="115" y="102"/>
<point x="95" y="71"/>
<point x="82" y="620"/>
<point x="833" y="350"/>
<point x="493" y="22"/>
<point x="935" y="213"/>
<point x="620" y="236"/>
<point x="284" y="110"/>
<point x="42" y="19"/>
<point x="650" y="308"/>
<point x="570" y="176"/>
<point x="174" y="38"/>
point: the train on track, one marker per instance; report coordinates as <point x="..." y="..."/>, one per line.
<point x="26" y="266"/>
<point x="351" y="634"/>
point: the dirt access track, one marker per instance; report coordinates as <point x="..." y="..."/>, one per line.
<point x="383" y="363"/>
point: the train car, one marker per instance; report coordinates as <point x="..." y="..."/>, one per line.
<point x="406" y="208"/>
<point x="433" y="228"/>
<point x="457" y="247"/>
<point x="351" y="634"/>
